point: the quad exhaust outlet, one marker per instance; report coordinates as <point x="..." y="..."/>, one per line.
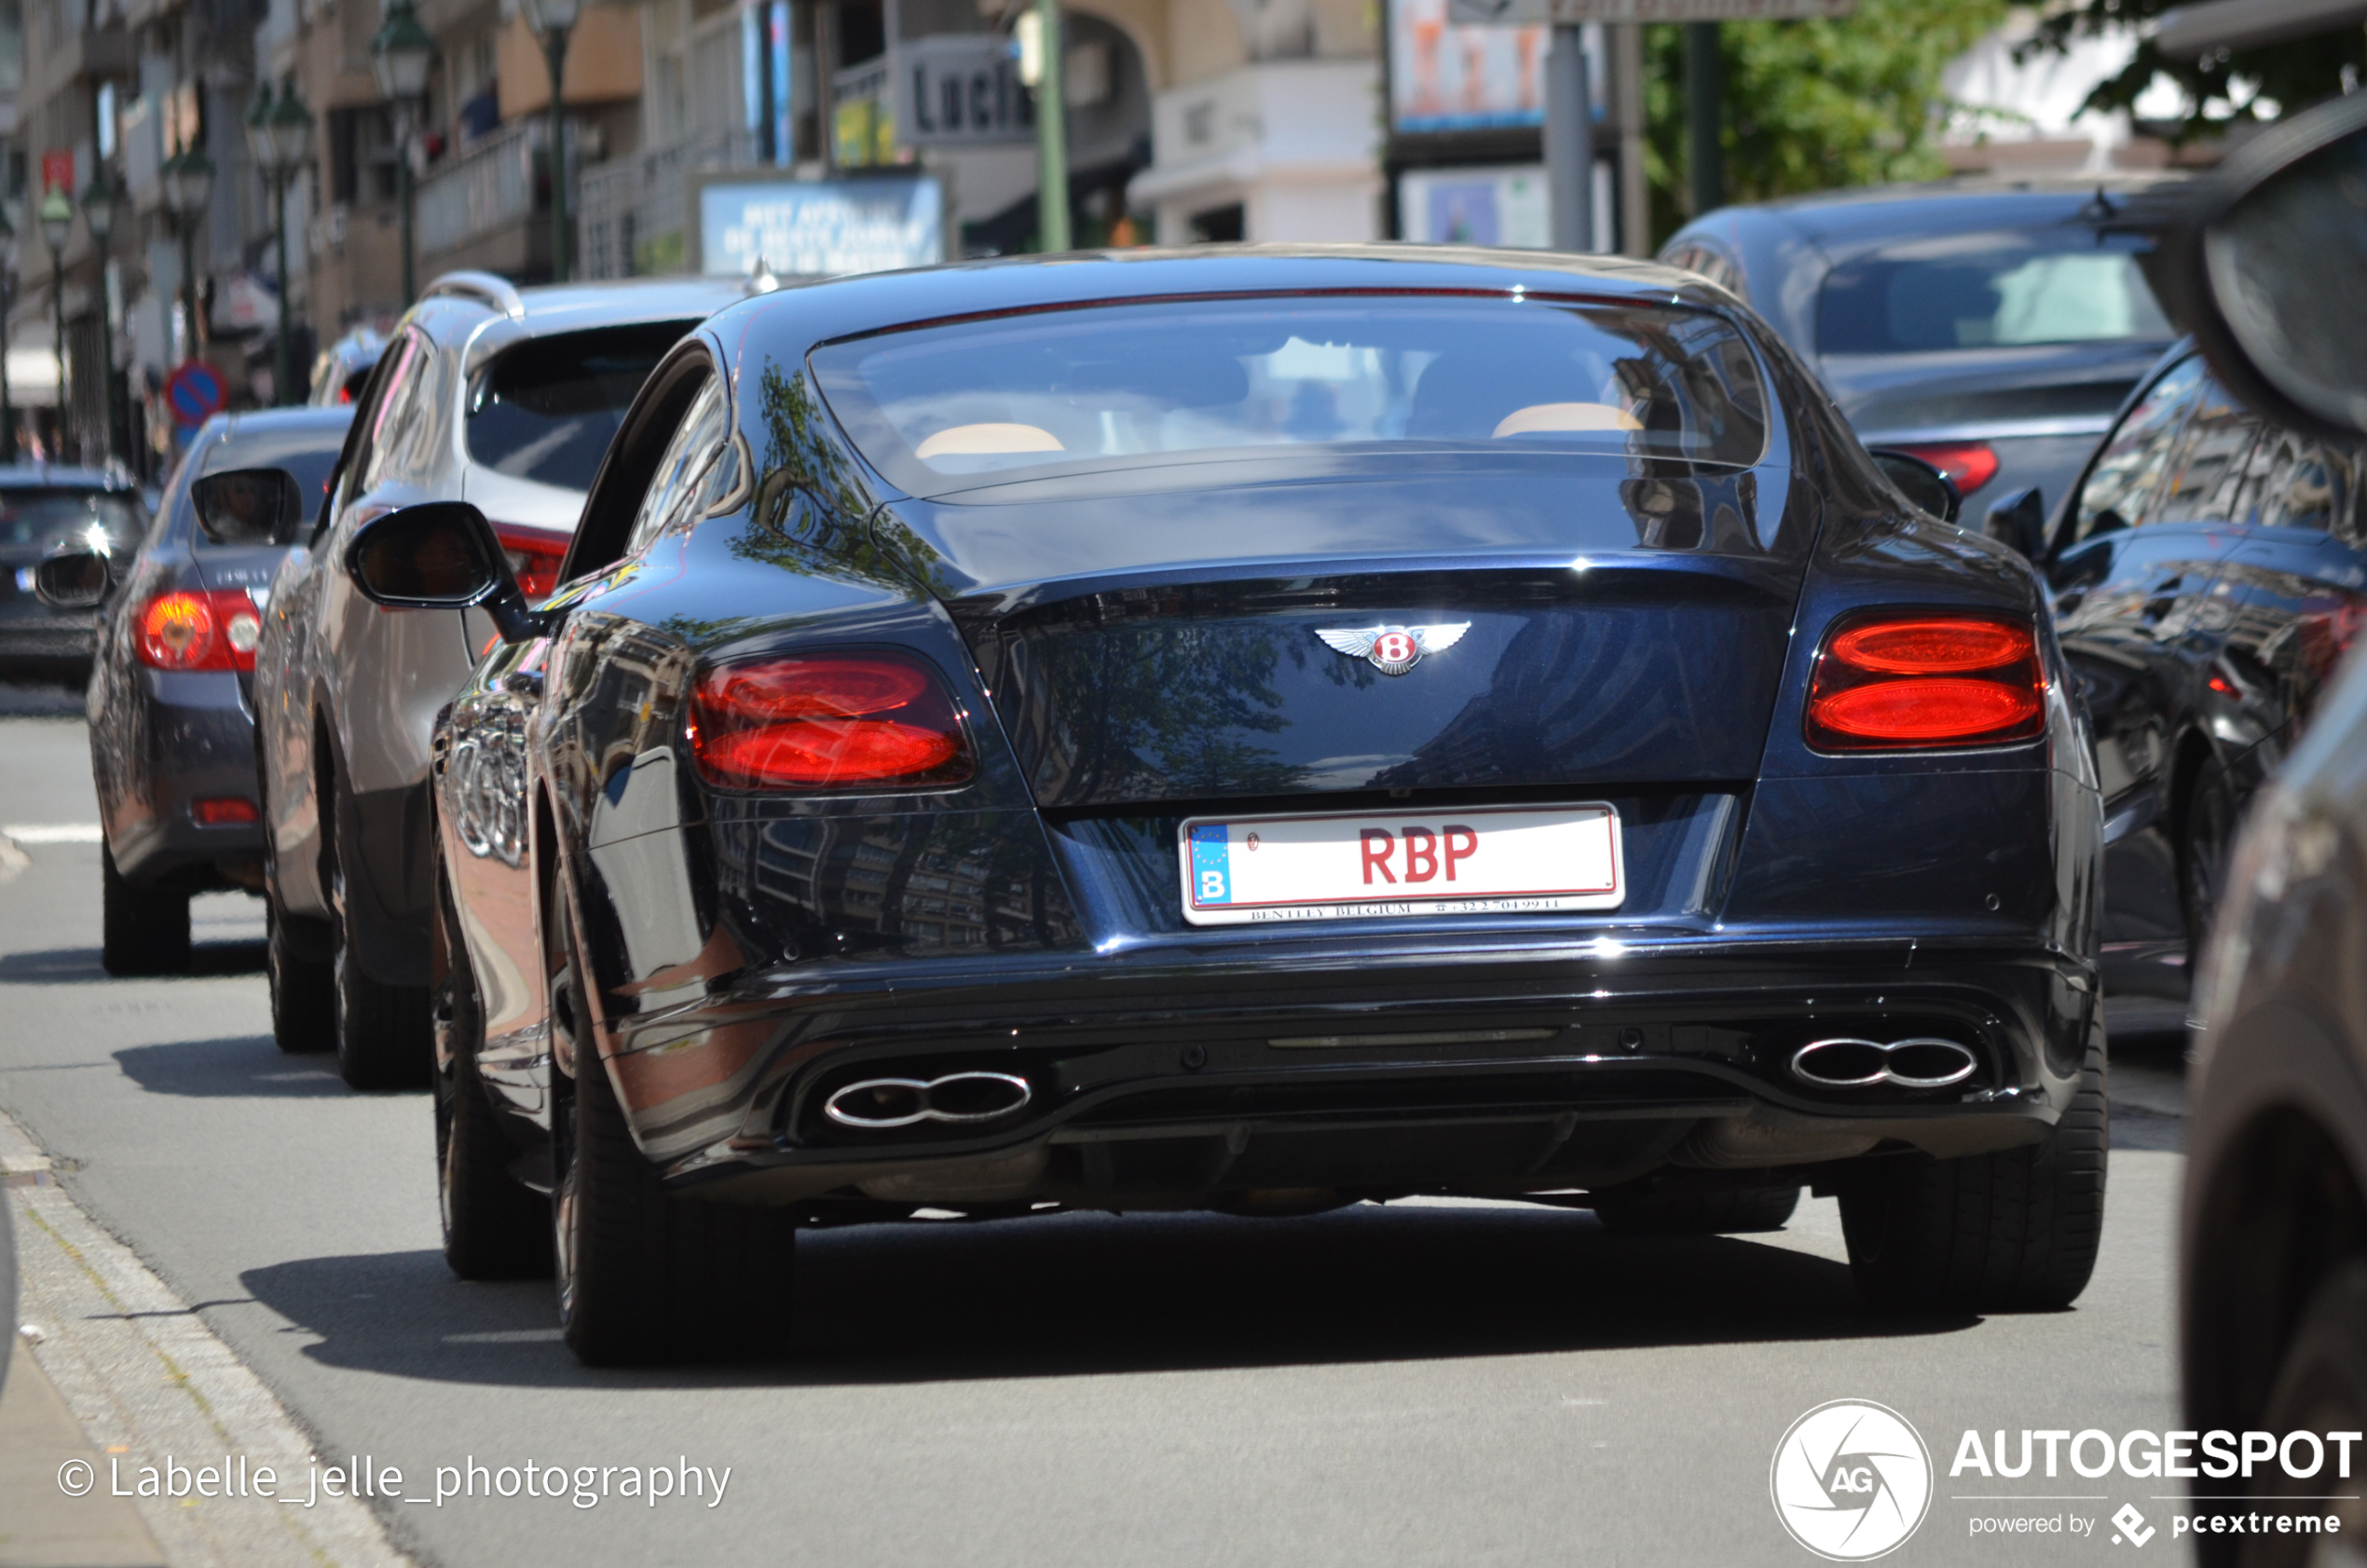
<point x="1921" y="1062"/>
<point x="961" y="1098"/>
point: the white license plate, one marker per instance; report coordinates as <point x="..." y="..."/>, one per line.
<point x="1367" y="864"/>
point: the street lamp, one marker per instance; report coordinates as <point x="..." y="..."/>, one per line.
<point x="401" y="54"/>
<point x="279" y="134"/>
<point x="98" y="214"/>
<point x="188" y="192"/>
<point x="56" y="228"/>
<point x="7" y="272"/>
<point x="551" y="22"/>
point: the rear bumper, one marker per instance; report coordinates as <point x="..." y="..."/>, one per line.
<point x="192" y="740"/>
<point x="1499" y="1065"/>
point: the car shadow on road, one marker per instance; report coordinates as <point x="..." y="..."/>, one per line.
<point x="74" y="965"/>
<point x="239" y="1066"/>
<point x="1085" y="1294"/>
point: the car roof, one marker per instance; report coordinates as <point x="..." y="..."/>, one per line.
<point x="60" y="476"/>
<point x="792" y="318"/>
<point x="457" y="304"/>
<point x="266" y="438"/>
<point x="1879" y="211"/>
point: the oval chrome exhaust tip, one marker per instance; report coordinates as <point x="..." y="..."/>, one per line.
<point x="1920" y="1062"/>
<point x="877" y="1104"/>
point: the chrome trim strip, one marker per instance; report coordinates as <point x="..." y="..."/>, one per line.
<point x="1999" y="429"/>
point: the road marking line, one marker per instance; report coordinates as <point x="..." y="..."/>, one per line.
<point x="147" y="1378"/>
<point x="54" y="833"/>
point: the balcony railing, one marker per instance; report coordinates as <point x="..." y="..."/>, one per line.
<point x="495" y="182"/>
<point x="632" y="213"/>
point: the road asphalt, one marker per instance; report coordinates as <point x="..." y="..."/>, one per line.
<point x="1441" y="1381"/>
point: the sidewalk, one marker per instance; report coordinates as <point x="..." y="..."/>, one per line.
<point x="41" y="1526"/>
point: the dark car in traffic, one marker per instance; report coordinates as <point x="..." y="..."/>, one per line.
<point x="1990" y="327"/>
<point x="1260" y="731"/>
<point x="2209" y="571"/>
<point x="171" y="699"/>
<point x="46" y="510"/>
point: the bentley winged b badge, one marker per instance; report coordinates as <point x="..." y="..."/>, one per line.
<point x="1393" y="650"/>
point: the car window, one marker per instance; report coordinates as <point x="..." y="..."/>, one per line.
<point x="1711" y="265"/>
<point x="380" y="422"/>
<point x="51" y="516"/>
<point x="2128" y="471"/>
<point x="2296" y="483"/>
<point x="546" y="409"/>
<point x="1995" y="289"/>
<point x="695" y="471"/>
<point x="1115" y="386"/>
<point x="2207" y="465"/>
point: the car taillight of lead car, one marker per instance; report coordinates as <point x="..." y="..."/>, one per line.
<point x="1894" y="682"/>
<point x="833" y="721"/>
<point x="212" y="630"/>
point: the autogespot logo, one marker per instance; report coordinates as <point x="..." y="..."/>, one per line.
<point x="1851" y="1480"/>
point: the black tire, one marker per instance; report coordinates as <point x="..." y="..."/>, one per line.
<point x="304" y="1005"/>
<point x="2205" y="837"/>
<point x="2320" y="1386"/>
<point x="2010" y="1232"/>
<point x="382" y="1032"/>
<point x="142" y="931"/>
<point x="1674" y="1210"/>
<point x="644" y="1276"/>
<point x="494" y="1226"/>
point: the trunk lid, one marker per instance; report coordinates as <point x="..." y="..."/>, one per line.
<point x="1181" y="647"/>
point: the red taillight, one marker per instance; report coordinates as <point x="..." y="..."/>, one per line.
<point x="1901" y="682"/>
<point x="828" y="721"/>
<point x="1968" y="464"/>
<point x="203" y="631"/>
<point x="224" y="812"/>
<point x="534" y="557"/>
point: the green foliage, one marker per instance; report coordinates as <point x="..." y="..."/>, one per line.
<point x="1811" y="105"/>
<point x="2289" y="75"/>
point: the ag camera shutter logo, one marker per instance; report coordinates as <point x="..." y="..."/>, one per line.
<point x="1851" y="1480"/>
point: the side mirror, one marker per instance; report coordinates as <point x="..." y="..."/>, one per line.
<point x="1920" y="481"/>
<point x="249" y="506"/>
<point x="2268" y="267"/>
<point x="2019" y="521"/>
<point x="75" y="580"/>
<point x="440" y="556"/>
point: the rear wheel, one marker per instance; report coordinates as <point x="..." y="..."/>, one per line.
<point x="2203" y="842"/>
<point x="142" y="931"/>
<point x="383" y="1041"/>
<point x="2009" y="1232"/>
<point x="494" y="1227"/>
<point x="646" y="1276"/>
<point x="304" y="1007"/>
<point x="1673" y="1209"/>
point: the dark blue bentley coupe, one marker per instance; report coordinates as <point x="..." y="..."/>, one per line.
<point x="1255" y="730"/>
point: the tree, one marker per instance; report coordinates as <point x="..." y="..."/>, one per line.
<point x="2247" y="85"/>
<point x="1809" y="105"/>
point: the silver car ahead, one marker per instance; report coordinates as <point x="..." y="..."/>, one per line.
<point x="501" y="397"/>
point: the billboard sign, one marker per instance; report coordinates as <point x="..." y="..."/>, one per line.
<point x="1511" y="206"/>
<point x="960" y="90"/>
<point x="820" y="227"/>
<point x="1445" y="77"/>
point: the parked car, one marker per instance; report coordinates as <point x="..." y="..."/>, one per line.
<point x="340" y="371"/>
<point x="2273" y="1265"/>
<point x="170" y="702"/>
<point x="1255" y="730"/>
<point x="1990" y="327"/>
<point x="502" y="397"/>
<point x="46" y="508"/>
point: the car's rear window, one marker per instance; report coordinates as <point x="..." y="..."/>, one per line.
<point x="56" y="515"/>
<point x="1108" y="386"/>
<point x="546" y="409"/>
<point x="1992" y="290"/>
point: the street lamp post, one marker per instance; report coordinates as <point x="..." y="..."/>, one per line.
<point x="279" y="134"/>
<point x="551" y="22"/>
<point x="401" y="54"/>
<point x="56" y="228"/>
<point x="188" y="192"/>
<point x="98" y="214"/>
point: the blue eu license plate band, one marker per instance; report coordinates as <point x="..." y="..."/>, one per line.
<point x="1212" y="864"/>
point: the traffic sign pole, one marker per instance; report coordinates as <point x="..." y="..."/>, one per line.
<point x="1569" y="138"/>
